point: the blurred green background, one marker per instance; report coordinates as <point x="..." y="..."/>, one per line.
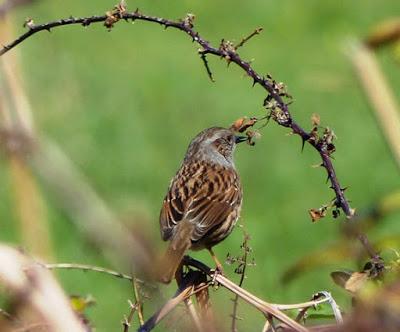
<point x="124" y="105"/>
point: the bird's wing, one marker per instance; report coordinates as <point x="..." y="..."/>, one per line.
<point x="202" y="194"/>
<point x="219" y="197"/>
<point x="176" y="202"/>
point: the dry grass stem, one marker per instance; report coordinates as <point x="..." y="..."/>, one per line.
<point x="35" y="293"/>
<point x="18" y="133"/>
<point x="194" y="315"/>
<point x="379" y="94"/>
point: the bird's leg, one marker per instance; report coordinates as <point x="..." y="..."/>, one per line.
<point x="179" y="274"/>
<point x="219" y="268"/>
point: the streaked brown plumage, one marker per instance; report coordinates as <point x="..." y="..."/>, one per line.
<point x="203" y="200"/>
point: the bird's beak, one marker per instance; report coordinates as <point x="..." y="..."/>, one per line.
<point x="239" y="139"/>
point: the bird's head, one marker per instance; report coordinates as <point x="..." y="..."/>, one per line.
<point x="215" y="145"/>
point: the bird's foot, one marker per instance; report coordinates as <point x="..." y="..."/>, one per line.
<point x="217" y="271"/>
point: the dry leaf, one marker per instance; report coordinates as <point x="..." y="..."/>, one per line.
<point x="317" y="214"/>
<point x="315" y="119"/>
<point x="242" y="124"/>
<point x="251" y="136"/>
<point x="350" y="281"/>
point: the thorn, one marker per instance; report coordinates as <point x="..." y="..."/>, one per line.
<point x="205" y="62"/>
<point x="264" y="81"/>
<point x="254" y="82"/>
<point x="303" y="142"/>
<point x="327" y="179"/>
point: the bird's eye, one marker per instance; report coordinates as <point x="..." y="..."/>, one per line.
<point x="230" y="139"/>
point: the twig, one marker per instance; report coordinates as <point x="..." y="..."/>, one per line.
<point x="302" y="305"/>
<point x="128" y="320"/>
<point x="242" y="269"/>
<point x="271" y="323"/>
<point x="230" y="54"/>
<point x="246" y="39"/>
<point x="334" y="306"/>
<point x="193" y="313"/>
<point x="184" y="292"/>
<point x="266" y="326"/>
<point x="138" y="300"/>
<point x="203" y="300"/>
<point x="326" y="297"/>
<point x="84" y="267"/>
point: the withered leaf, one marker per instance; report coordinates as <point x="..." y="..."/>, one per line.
<point x="251" y="136"/>
<point x="331" y="148"/>
<point x="189" y="19"/>
<point x="315" y="119"/>
<point x="329" y="135"/>
<point x="317" y="214"/>
<point x="110" y="20"/>
<point x="242" y="124"/>
<point x="350" y="281"/>
<point x="29" y="23"/>
<point x="121" y="7"/>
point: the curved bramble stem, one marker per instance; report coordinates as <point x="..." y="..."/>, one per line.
<point x="227" y="51"/>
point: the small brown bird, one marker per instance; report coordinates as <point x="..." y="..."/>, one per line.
<point x="204" y="198"/>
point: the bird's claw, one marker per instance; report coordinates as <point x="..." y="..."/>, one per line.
<point x="217" y="271"/>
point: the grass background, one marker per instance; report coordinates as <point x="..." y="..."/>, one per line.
<point x="124" y="104"/>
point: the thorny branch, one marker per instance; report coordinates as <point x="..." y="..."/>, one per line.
<point x="226" y="50"/>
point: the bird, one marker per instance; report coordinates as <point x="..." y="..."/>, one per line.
<point x="203" y="201"/>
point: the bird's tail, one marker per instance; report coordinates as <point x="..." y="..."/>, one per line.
<point x="180" y="243"/>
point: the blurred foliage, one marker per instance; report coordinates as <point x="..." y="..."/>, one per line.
<point x="124" y="105"/>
